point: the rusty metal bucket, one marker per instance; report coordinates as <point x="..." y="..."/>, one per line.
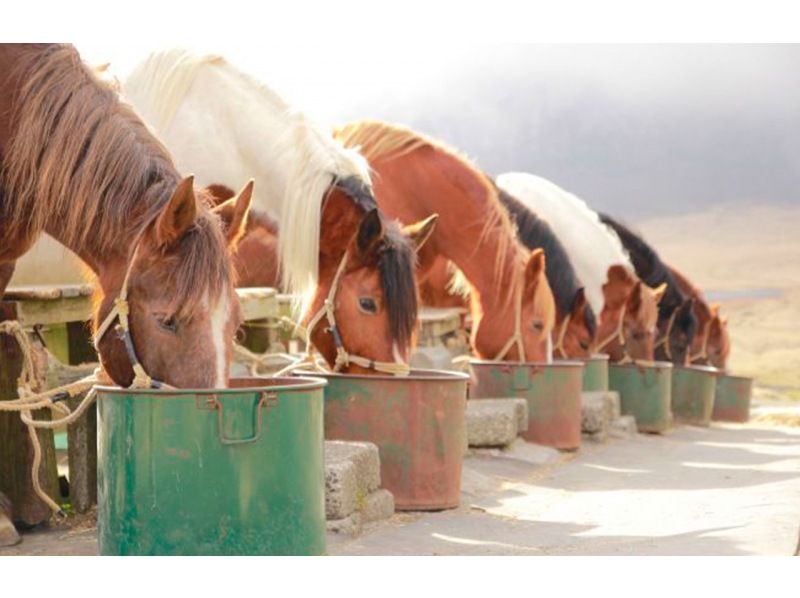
<point x="418" y="423"/>
<point x="553" y="393"/>
<point x="595" y="373"/>
<point x="693" y="390"/>
<point x="645" y="392"/>
<point x="732" y="399"/>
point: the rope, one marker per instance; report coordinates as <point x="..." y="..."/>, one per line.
<point x="559" y="348"/>
<point x="516" y="337"/>
<point x="703" y="353"/>
<point x="619" y="335"/>
<point x="664" y="340"/>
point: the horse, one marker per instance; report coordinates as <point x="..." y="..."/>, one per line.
<point x="80" y="165"/>
<point x="627" y="308"/>
<point x="351" y="265"/>
<point x="712" y="343"/>
<point x="677" y="323"/>
<point x="511" y="303"/>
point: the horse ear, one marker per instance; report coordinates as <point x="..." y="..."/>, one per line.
<point x="234" y="213"/>
<point x="658" y="292"/>
<point x="635" y="298"/>
<point x="419" y="232"/>
<point x="178" y="215"/>
<point x="714" y="307"/>
<point x="370" y="232"/>
<point x="535" y="266"/>
<point x="578" y="303"/>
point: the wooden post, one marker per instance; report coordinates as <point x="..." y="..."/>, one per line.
<point x="16" y="453"/>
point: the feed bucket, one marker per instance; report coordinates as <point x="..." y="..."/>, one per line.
<point x="693" y="390"/>
<point x="732" y="399"/>
<point x="553" y="393"/>
<point x="235" y="471"/>
<point x="595" y="373"/>
<point x="645" y="392"/>
<point x="418" y="423"/>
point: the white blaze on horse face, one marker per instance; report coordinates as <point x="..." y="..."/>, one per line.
<point x="219" y="321"/>
<point x="398" y="358"/>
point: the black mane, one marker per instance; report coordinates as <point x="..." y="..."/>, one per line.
<point x="534" y="232"/>
<point x="396" y="264"/>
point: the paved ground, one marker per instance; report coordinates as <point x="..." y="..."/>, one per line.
<point x="727" y="490"/>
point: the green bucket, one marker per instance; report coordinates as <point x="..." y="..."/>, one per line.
<point x="693" y="390"/>
<point x="645" y="392"/>
<point x="236" y="471"/>
<point x="732" y="399"/>
<point x="595" y="373"/>
<point x="552" y="391"/>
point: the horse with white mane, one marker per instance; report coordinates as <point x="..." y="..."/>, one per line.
<point x="627" y="307"/>
<point x="223" y="124"/>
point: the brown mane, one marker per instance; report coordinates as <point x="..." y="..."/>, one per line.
<point x="377" y="140"/>
<point x="82" y="163"/>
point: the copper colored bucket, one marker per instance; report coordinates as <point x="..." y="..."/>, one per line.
<point x="732" y="399"/>
<point x="418" y="423"/>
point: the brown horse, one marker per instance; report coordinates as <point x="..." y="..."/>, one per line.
<point x="80" y="165"/>
<point x="512" y="306"/>
<point x="629" y="318"/>
<point x="711" y="345"/>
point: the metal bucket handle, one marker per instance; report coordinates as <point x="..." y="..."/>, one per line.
<point x="267" y="399"/>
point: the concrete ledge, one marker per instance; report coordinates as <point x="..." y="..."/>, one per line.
<point x="352" y="472"/>
<point x="494" y="422"/>
<point x="623" y="427"/>
<point x="599" y="409"/>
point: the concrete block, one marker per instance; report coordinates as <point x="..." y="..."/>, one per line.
<point x="352" y="472"/>
<point x="378" y="505"/>
<point x="491" y="422"/>
<point x="595" y="413"/>
<point x="350" y="525"/>
<point x="623" y="427"/>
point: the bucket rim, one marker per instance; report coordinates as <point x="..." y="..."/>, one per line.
<point x="557" y="363"/>
<point x="709" y="369"/>
<point x="414" y="375"/>
<point x="724" y="374"/>
<point x="655" y="365"/>
<point x="285" y="383"/>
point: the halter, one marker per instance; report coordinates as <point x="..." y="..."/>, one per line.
<point x="619" y="335"/>
<point x="664" y="340"/>
<point x="703" y="353"/>
<point x="516" y="337"/>
<point x="120" y="312"/>
<point x="559" y="348"/>
<point x="344" y="357"/>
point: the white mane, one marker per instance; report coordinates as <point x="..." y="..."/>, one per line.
<point x="227" y="127"/>
<point x="591" y="245"/>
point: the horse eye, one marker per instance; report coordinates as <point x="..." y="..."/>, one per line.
<point x="168" y="323"/>
<point x="638" y="335"/>
<point x="584" y="345"/>
<point x="538" y="325"/>
<point x="367" y="304"/>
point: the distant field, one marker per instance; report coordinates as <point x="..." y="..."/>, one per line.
<point x="748" y="258"/>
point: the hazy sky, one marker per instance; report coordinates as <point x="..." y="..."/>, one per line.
<point x="635" y="130"/>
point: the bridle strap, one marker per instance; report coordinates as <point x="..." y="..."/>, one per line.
<point x="343" y="356"/>
<point x="516" y="337"/>
<point x="120" y="311"/>
<point x="703" y="353"/>
<point x="664" y="340"/>
<point x="619" y="335"/>
<point x="562" y="333"/>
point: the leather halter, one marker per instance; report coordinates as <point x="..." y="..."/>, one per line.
<point x="120" y="312"/>
<point x="343" y="356"/>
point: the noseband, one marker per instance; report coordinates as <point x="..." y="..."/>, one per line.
<point x="664" y="340"/>
<point x="559" y="348"/>
<point x="516" y="337"/>
<point x="343" y="356"/>
<point x="703" y="353"/>
<point x="619" y="335"/>
<point x="120" y="312"/>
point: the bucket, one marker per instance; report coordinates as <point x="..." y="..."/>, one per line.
<point x="553" y="393"/>
<point x="732" y="399"/>
<point x="235" y="471"/>
<point x="595" y="373"/>
<point x="418" y="423"/>
<point x="645" y="392"/>
<point x="693" y="390"/>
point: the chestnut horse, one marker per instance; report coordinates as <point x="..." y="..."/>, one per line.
<point x="628" y="309"/>
<point x="337" y="251"/>
<point x="711" y="345"/>
<point x="677" y="324"/>
<point x="80" y="165"/>
<point x="512" y="306"/>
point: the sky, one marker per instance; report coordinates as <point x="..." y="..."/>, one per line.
<point x="635" y="130"/>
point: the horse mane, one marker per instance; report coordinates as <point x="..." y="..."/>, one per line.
<point x="534" y="232"/>
<point x="648" y="265"/>
<point x="81" y="158"/>
<point x="377" y="140"/>
<point x="592" y="247"/>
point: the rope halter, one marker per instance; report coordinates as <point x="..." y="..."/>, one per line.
<point x="562" y="333"/>
<point x="664" y="340"/>
<point x="516" y="337"/>
<point x="702" y="354"/>
<point x="343" y="357"/>
<point x="120" y="311"/>
<point x="619" y="335"/>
